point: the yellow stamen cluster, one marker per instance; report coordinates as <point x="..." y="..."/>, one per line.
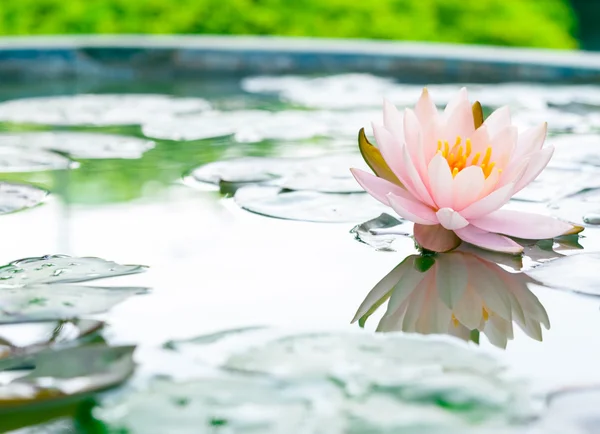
<point x="459" y="157"/>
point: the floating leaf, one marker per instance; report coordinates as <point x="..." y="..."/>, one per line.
<point x="573" y="411"/>
<point x="363" y="232"/>
<point x="232" y="403"/>
<point x="258" y="125"/>
<point x="16" y="197"/>
<point x="97" y="110"/>
<point x="328" y="174"/>
<point x="60" y="376"/>
<point x="374" y="159"/>
<point x="28" y="160"/>
<point x="577" y="273"/>
<point x="61" y="269"/>
<point x="579" y="208"/>
<point x="77" y="144"/>
<point x="27" y="338"/>
<point x="59" y="301"/>
<point x="307" y="205"/>
<point x="346" y="382"/>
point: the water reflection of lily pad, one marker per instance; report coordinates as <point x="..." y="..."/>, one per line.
<point x="578" y="273"/>
<point x="26" y="338"/>
<point x="62" y="269"/>
<point x="66" y="374"/>
<point x="576" y="149"/>
<point x="28" y="160"/>
<point x="575" y="410"/>
<point x="16" y="197"/>
<point x="311" y="206"/>
<point x="327" y="174"/>
<point x="78" y="144"/>
<point x="555" y="183"/>
<point x="118" y="109"/>
<point x="59" y="301"/>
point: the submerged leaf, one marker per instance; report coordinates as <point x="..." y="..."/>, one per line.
<point x="364" y="232"/>
<point x="374" y="159"/>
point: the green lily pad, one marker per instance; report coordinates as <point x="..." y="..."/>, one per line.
<point x="14" y="160"/>
<point x="97" y="110"/>
<point x="79" y="145"/>
<point x="17" y="197"/>
<point x="27" y="338"/>
<point x="577" y="273"/>
<point x="312" y="206"/>
<point x="62" y="269"/>
<point x="59" y="301"/>
<point x="60" y="377"/>
<point x="327" y="174"/>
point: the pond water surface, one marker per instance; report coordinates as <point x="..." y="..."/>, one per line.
<point x="235" y="193"/>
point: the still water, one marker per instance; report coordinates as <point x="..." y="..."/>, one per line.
<point x="145" y="173"/>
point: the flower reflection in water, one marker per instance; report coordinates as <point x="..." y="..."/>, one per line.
<point x="456" y="293"/>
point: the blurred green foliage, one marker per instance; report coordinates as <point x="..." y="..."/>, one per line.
<point x="536" y="23"/>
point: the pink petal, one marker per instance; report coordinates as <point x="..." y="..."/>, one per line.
<point x="413" y="140"/>
<point x="490" y="203"/>
<point x="379" y="188"/>
<point x="468" y="309"/>
<point x="460" y="122"/>
<point x="391" y="150"/>
<point x="530" y="141"/>
<point x="490" y="183"/>
<point x="452" y="278"/>
<point x="413" y="211"/>
<point x="522" y="224"/>
<point x="503" y="145"/>
<point x="480" y="140"/>
<point x="454" y="102"/>
<point x="392" y="119"/>
<point x="538" y="162"/>
<point x="425" y="109"/>
<point x="488" y="240"/>
<point x="467" y="186"/>
<point x="435" y="238"/>
<point x="450" y="219"/>
<point x="415" y="180"/>
<point x="440" y="181"/>
<point x="498" y="120"/>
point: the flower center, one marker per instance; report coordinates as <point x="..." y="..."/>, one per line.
<point x="459" y="157"/>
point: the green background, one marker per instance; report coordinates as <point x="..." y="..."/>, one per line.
<point x="535" y="23"/>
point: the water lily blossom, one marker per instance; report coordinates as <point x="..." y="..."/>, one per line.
<point x="451" y="172"/>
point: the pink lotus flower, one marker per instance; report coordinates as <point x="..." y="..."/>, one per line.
<point x="451" y="172"/>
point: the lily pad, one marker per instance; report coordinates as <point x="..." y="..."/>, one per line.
<point x="230" y="403"/>
<point x="16" y="197"/>
<point x="59" y="301"/>
<point x="277" y="382"/>
<point x="60" y="376"/>
<point x="554" y="183"/>
<point x="363" y="232"/>
<point x="61" y="269"/>
<point x="577" y="273"/>
<point x="79" y="145"/>
<point x="574" y="410"/>
<point x="328" y="174"/>
<point x="27" y="338"/>
<point x="14" y="160"/>
<point x="310" y="206"/>
<point x="581" y="208"/>
<point x="97" y="110"/>
<point x="259" y="125"/>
